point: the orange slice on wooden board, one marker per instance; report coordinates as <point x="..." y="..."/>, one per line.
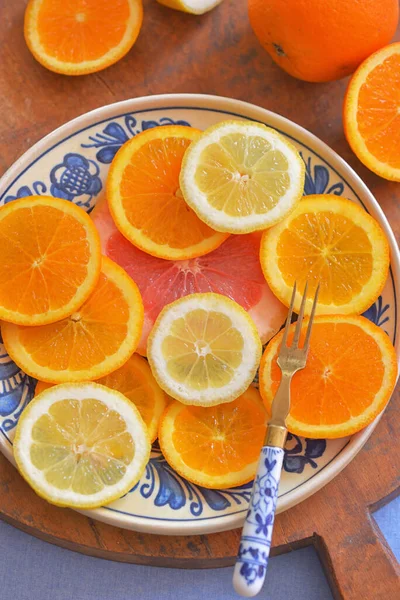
<point x="136" y="382"/>
<point x="50" y="259"/>
<point x="331" y="241"/>
<point x="215" y="447"/>
<point x="145" y="199"/>
<point x="350" y="374"/>
<point x="92" y="342"/>
<point x="371" y="112"/>
<point x="77" y="37"/>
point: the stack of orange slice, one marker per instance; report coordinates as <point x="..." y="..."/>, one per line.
<point x="79" y="316"/>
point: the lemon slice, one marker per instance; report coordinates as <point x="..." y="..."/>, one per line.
<point x="136" y="382"/>
<point x="241" y="176"/>
<point x="81" y="445"/>
<point x="194" y="7"/>
<point x="204" y="349"/>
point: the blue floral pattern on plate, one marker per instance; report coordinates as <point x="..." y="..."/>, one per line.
<point x="38" y="189"/>
<point x="75" y="169"/>
<point x="75" y="177"/>
<point x="16" y="390"/>
<point x="166" y="487"/>
<point x="114" y="135"/>
<point x="317" y="180"/>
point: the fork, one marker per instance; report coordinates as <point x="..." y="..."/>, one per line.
<point x="255" y="543"/>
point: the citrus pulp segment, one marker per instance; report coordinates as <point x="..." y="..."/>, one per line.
<point x="218" y="446"/>
<point x="371" y="112"/>
<point x="136" y="382"/>
<point x="92" y="342"/>
<point x="145" y="199"/>
<point x="81" y="36"/>
<point x="233" y="270"/>
<point x="81" y="445"/>
<point x="350" y="374"/>
<point x="241" y="176"/>
<point x="51" y="259"/>
<point x="204" y="349"/>
<point x="331" y="241"/>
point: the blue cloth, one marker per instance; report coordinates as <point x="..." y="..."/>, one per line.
<point x="33" y="570"/>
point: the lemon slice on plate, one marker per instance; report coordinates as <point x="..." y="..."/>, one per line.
<point x="195" y="7"/>
<point x="81" y="445"/>
<point x="204" y="349"/>
<point x="136" y="382"/>
<point x="240" y="176"/>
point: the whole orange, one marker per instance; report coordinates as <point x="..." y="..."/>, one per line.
<point x="322" y="40"/>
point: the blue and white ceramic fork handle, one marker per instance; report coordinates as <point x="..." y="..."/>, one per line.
<point x="255" y="544"/>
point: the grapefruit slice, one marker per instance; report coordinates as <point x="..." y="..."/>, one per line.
<point x="233" y="270"/>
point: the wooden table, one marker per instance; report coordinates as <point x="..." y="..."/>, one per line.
<point x="214" y="54"/>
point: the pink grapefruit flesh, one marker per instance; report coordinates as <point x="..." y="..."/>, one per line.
<point x="233" y="269"/>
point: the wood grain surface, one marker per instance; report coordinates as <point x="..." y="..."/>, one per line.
<point x="214" y="54"/>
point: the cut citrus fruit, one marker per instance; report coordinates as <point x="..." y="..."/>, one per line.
<point x="331" y="241"/>
<point x="43" y="385"/>
<point x="136" y="382"/>
<point x="371" y="112"/>
<point x="350" y="374"/>
<point x="145" y="200"/>
<point x="194" y="7"/>
<point x="50" y="259"/>
<point x="218" y="446"/>
<point x="81" y="445"/>
<point x="81" y="36"/>
<point x="92" y="342"/>
<point x="240" y="176"/>
<point x="204" y="349"/>
<point x="233" y="270"/>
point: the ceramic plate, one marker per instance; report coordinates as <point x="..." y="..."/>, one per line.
<point x="72" y="163"/>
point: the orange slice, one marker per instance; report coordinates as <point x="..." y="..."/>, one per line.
<point x="81" y="36"/>
<point x="215" y="447"/>
<point x="371" y="112"/>
<point x="331" y="241"/>
<point x="136" y="382"/>
<point x="50" y="259"/>
<point x="145" y="199"/>
<point x="92" y="342"/>
<point x="350" y="374"/>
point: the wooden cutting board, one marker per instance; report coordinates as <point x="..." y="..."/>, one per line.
<point x="214" y="54"/>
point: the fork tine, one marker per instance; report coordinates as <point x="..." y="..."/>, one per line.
<point x="299" y="323"/>
<point x="289" y="317"/>
<point x="310" y="323"/>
